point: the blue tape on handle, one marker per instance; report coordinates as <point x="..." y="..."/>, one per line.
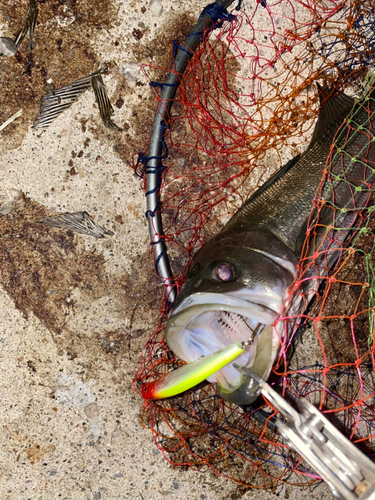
<point x="161" y="85"/>
<point x="218" y="15"/>
<point x="184" y="48"/>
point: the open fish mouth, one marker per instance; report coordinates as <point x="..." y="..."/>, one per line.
<point x="206" y="322"/>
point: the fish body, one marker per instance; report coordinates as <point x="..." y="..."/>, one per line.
<point x="239" y="280"/>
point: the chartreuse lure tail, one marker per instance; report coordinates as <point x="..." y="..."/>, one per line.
<point x="191" y="374"/>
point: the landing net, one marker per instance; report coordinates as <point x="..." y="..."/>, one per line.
<point x="246" y="104"/>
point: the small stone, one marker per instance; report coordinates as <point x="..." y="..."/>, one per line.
<point x="156" y="8"/>
<point x="7" y="46"/>
<point x="92" y="411"/>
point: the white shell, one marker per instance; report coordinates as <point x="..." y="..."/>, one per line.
<point x="132" y="72"/>
<point x="156" y="8"/>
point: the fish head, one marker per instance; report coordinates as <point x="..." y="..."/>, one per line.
<point x="234" y="292"/>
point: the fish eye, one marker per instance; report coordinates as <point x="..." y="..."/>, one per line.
<point x="224" y="272"/>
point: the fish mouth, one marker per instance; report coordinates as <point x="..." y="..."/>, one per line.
<point x="206" y="322"/>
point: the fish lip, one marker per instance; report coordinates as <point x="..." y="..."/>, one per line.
<point x="220" y="302"/>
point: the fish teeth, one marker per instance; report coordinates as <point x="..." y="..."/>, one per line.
<point x="235" y="327"/>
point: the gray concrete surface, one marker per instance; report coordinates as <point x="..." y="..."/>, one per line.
<point x="70" y="420"/>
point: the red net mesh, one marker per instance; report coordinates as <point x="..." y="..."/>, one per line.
<point x="248" y="100"/>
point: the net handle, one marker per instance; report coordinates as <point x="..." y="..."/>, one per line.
<point x="153" y="165"/>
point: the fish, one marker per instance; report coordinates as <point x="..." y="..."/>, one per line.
<point x="239" y="281"/>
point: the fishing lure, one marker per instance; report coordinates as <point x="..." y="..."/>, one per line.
<point x="193" y="373"/>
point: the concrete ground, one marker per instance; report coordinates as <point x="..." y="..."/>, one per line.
<point x="71" y="421"/>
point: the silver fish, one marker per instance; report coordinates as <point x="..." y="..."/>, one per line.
<point x="238" y="281"/>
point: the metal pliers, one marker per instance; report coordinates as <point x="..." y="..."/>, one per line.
<point x="348" y="472"/>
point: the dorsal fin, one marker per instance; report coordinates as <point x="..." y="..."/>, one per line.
<point x="333" y="108"/>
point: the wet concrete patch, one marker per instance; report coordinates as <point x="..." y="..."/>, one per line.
<point x="40" y="266"/>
